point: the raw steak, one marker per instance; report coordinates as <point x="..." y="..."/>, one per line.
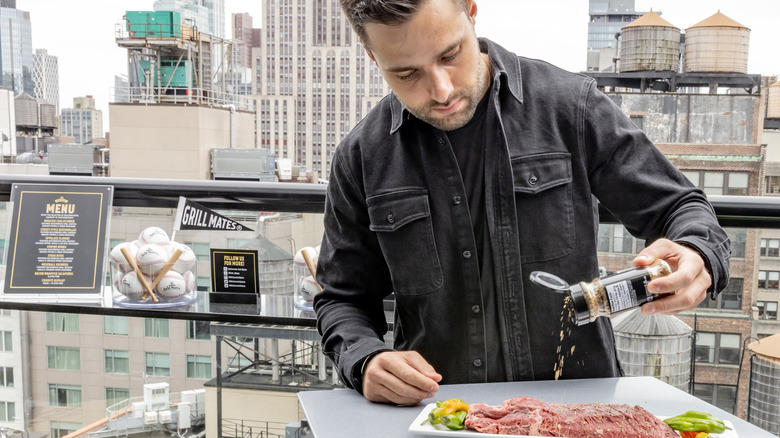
<point x="529" y="416"/>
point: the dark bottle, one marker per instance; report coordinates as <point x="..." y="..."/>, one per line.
<point x="605" y="296"/>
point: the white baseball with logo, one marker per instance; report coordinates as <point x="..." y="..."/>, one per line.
<point x="151" y="259"/>
<point x="187" y="259"/>
<point x="172" y="285"/>
<point x="118" y="259"/>
<point x="131" y="286"/>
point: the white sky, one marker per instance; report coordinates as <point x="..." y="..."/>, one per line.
<point x="81" y="33"/>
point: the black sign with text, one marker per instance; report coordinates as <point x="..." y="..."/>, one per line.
<point x="56" y="243"/>
<point x="234" y="274"/>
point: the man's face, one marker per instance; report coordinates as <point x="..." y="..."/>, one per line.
<point x="433" y="63"/>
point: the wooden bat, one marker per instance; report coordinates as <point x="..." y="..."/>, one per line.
<point x="131" y="261"/>
<point x="166" y="268"/>
<point x="312" y="268"/>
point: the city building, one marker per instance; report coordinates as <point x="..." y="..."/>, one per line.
<point x="314" y="82"/>
<point x="207" y="15"/>
<point x="245" y="38"/>
<point x="83" y="122"/>
<point x="16" y="53"/>
<point x="607" y="18"/>
<point x="46" y="78"/>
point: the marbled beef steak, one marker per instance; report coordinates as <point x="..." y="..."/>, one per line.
<point x="529" y="416"/>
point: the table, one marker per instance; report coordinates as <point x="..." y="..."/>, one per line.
<point x="345" y="414"/>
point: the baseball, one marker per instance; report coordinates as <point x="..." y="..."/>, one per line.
<point x="187" y="259"/>
<point x="131" y="286"/>
<point x="151" y="258"/>
<point x="154" y="235"/>
<point x="190" y="282"/>
<point x="172" y="285"/>
<point x="308" y="288"/>
<point x="118" y="259"/>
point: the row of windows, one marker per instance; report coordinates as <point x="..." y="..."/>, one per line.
<point x="120" y="325"/>
<point x="118" y="362"/>
<point x="717" y="348"/>
<point x="615" y="238"/>
<point x="767" y="309"/>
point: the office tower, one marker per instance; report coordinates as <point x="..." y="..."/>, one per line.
<point x="16" y="54"/>
<point x="245" y="38"/>
<point x="607" y="17"/>
<point x="46" y="78"/>
<point x="82" y="122"/>
<point x="314" y="81"/>
<point x="207" y="15"/>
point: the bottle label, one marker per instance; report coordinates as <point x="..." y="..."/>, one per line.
<point x="628" y="294"/>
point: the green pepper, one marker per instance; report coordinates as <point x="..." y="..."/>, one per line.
<point x="696" y="421"/>
<point x="454" y="421"/>
<point x="434" y="417"/>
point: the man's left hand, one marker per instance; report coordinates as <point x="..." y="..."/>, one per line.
<point x="688" y="282"/>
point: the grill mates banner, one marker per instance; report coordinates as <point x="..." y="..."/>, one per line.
<point x="193" y="216"/>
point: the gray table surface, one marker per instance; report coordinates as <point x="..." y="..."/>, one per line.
<point x="345" y="414"/>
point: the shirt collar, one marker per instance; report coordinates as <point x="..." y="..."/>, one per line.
<point x="505" y="67"/>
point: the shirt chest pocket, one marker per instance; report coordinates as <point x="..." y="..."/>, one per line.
<point x="545" y="214"/>
<point x="403" y="225"/>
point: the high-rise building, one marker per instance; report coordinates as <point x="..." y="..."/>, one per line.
<point x="207" y="15"/>
<point x="16" y="53"/>
<point x="46" y="78"/>
<point x="607" y="17"/>
<point x="314" y="81"/>
<point x="245" y="37"/>
<point x="83" y="122"/>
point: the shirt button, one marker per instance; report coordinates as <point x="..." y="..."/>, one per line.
<point x="456" y="200"/>
<point x="390" y="218"/>
<point x="475" y="308"/>
<point x="477" y="362"/>
<point x="466" y="254"/>
<point x="441" y="141"/>
<point x="533" y="180"/>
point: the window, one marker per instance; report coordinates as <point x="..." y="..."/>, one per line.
<point x="722" y="396"/>
<point x="62" y="322"/>
<point x="7" y="411"/>
<point x="156" y="328"/>
<point x="767" y="309"/>
<point x="198" y="367"/>
<point x="116" y="395"/>
<point x="61" y="428"/>
<point x="719" y="183"/>
<point x="5" y="312"/>
<point x="769" y="279"/>
<point x="772" y="184"/>
<point x="770" y="248"/>
<point x="201" y="250"/>
<point x="64" y="358"/>
<point x="6" y="343"/>
<point x="68" y="396"/>
<point x="616" y="238"/>
<point x="729" y="299"/>
<point x="158" y="364"/>
<point x="198" y="330"/>
<point x="738" y="237"/>
<point x="117" y="361"/>
<point x="717" y="348"/>
<point x="7" y="376"/>
<point x="116" y="325"/>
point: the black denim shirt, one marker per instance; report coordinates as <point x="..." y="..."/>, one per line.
<point x="396" y="221"/>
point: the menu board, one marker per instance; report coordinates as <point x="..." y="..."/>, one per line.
<point x="57" y="239"/>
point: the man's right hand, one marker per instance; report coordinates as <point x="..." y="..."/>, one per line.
<point x="400" y="377"/>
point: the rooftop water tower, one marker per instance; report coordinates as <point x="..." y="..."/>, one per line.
<point x="654" y="345"/>
<point x="764" y="393"/>
<point x="649" y="43"/>
<point x="716" y="45"/>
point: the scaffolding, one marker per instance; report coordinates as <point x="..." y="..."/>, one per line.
<point x="175" y="63"/>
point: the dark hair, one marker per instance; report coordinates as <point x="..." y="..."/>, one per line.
<point x="389" y="12"/>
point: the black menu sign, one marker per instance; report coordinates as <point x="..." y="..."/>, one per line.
<point x="56" y="244"/>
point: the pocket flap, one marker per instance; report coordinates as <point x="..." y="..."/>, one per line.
<point x="536" y="173"/>
<point x="392" y="211"/>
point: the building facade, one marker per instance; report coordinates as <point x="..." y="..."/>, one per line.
<point x="607" y="17"/>
<point x="313" y="79"/>
<point x="83" y="122"/>
<point x="16" y="53"/>
<point x="46" y="78"/>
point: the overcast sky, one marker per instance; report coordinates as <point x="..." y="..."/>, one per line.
<point x="82" y="33"/>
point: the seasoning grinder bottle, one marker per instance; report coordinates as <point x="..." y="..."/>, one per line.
<point x="604" y="296"/>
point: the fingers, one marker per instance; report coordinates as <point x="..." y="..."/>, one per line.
<point x="401" y="377"/>
<point x="687" y="284"/>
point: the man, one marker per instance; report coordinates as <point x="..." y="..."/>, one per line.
<point x="480" y="168"/>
